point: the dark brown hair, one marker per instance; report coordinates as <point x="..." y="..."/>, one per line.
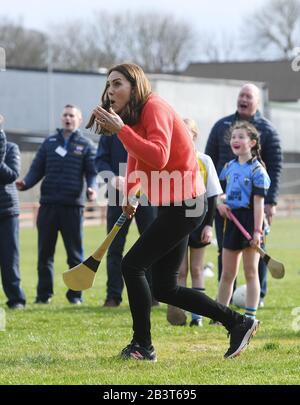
<point x="141" y="90"/>
<point x="253" y="135"/>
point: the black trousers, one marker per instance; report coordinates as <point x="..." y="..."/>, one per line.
<point x="67" y="220"/>
<point x="144" y="216"/>
<point x="162" y="246"/>
<point x="9" y="260"/>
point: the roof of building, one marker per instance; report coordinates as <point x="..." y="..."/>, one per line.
<point x="283" y="82"/>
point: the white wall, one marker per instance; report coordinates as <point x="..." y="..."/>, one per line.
<point x="33" y="101"/>
<point x="286" y="118"/>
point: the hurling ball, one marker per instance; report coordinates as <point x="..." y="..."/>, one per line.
<point x="239" y="296"/>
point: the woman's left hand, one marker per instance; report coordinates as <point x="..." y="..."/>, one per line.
<point x="108" y="120"/>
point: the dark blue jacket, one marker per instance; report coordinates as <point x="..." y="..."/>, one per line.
<point x="9" y="172"/>
<point x="63" y="175"/>
<point x="219" y="149"/>
<point x="110" y="154"/>
<point x="2" y="145"/>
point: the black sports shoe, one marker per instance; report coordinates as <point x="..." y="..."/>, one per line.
<point x="137" y="352"/>
<point x="42" y="301"/>
<point x="240" y="336"/>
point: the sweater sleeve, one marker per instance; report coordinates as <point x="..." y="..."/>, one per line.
<point x="155" y="149"/>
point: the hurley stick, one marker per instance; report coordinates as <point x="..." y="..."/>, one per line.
<point x="276" y="268"/>
<point x="82" y="276"/>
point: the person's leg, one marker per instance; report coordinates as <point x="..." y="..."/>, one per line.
<point x="196" y="266"/>
<point x="164" y="251"/>
<point x="231" y="260"/>
<point x="197" y="274"/>
<point x="219" y="227"/>
<point x="145" y="215"/>
<point x="47" y="225"/>
<point x="70" y="226"/>
<point x="175" y="315"/>
<point x="250" y="259"/>
<point x="115" y="282"/>
<point x="9" y="261"/>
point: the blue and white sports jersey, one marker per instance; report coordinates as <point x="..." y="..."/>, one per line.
<point x="243" y="181"/>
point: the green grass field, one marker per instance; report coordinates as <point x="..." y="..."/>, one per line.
<point x="63" y="344"/>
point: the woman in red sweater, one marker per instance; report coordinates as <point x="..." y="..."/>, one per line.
<point x="162" y="163"/>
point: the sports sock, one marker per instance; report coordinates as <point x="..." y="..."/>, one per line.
<point x="250" y="312"/>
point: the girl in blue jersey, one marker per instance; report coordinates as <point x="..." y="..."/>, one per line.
<point x="246" y="183"/>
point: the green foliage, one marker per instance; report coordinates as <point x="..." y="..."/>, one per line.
<point x="64" y="344"/>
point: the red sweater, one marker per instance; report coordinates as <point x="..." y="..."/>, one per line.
<point x="161" y="155"/>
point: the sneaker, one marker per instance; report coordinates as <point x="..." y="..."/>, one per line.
<point x="75" y="301"/>
<point x="176" y="316"/>
<point x="17" y="305"/>
<point x="196" y="322"/>
<point x="137" y="352"/>
<point x="42" y="301"/>
<point x="111" y="303"/>
<point x="261" y="303"/>
<point x="240" y="336"/>
<point x="215" y="323"/>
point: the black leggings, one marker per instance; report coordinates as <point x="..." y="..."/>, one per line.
<point x="163" y="246"/>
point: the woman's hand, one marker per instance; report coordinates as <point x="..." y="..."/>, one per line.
<point x="129" y="210"/>
<point x="108" y="120"/>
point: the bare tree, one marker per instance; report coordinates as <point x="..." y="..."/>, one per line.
<point x="70" y="47"/>
<point x="157" y="42"/>
<point x="23" y="47"/>
<point x="274" y="29"/>
<point x="218" y="47"/>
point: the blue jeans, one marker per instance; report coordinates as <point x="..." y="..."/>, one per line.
<point x="9" y="260"/>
